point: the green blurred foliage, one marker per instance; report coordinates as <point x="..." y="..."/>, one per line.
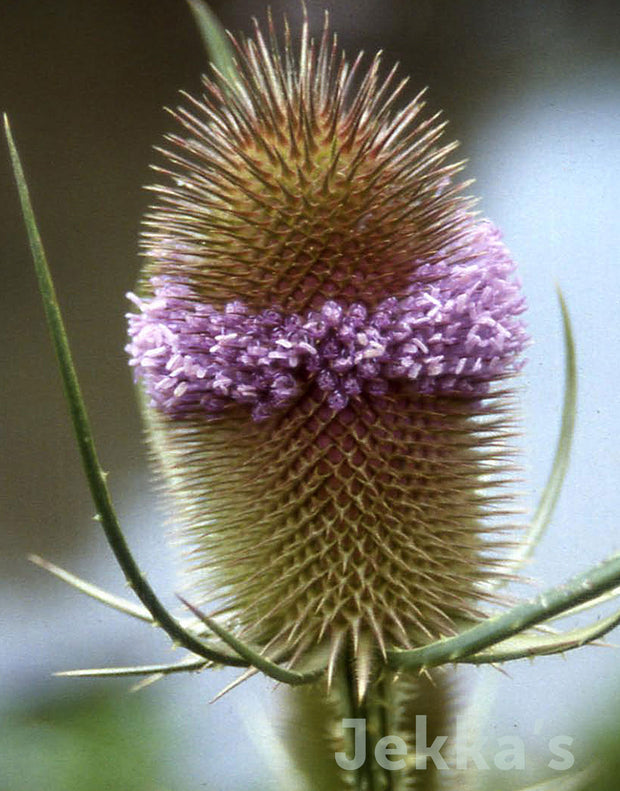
<point x="604" y="743"/>
<point x="100" y="742"/>
<point x="91" y="742"/>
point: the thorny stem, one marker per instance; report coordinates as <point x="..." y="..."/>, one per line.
<point x="373" y="710"/>
<point x="355" y="710"/>
<point x="580" y="588"/>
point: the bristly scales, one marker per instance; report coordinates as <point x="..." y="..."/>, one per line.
<point x="326" y="334"/>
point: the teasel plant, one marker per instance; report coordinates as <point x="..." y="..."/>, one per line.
<point x="327" y="340"/>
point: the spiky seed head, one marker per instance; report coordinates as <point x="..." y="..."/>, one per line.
<point x="326" y="333"/>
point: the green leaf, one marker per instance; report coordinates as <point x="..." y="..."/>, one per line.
<point x="216" y="41"/>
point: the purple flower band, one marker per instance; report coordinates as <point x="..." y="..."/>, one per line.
<point x="456" y="330"/>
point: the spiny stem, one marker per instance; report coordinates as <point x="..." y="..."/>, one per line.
<point x="526" y="646"/>
<point x="354" y="709"/>
<point x="581" y="588"/>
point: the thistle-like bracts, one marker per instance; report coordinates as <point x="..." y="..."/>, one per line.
<point x="326" y="336"/>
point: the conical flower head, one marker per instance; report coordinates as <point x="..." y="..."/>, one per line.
<point x="326" y="336"/>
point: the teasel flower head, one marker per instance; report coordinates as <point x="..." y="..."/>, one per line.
<point x="327" y="336"/>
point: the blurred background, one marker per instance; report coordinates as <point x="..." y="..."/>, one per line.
<point x="533" y="92"/>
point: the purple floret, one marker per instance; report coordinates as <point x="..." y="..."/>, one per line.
<point x="456" y="331"/>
